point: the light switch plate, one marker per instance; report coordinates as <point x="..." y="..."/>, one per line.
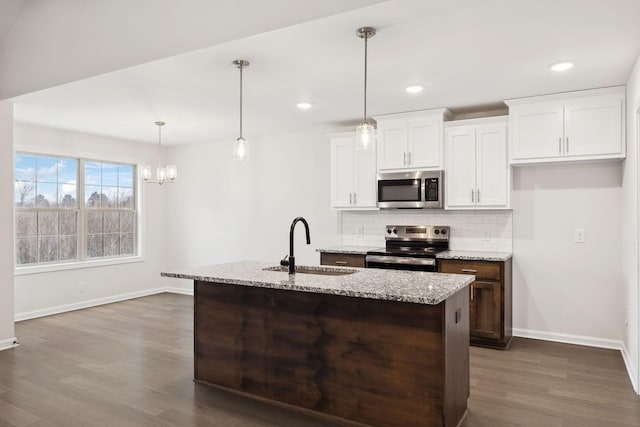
<point x="578" y="235"/>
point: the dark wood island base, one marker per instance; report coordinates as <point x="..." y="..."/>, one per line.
<point x="375" y="362"/>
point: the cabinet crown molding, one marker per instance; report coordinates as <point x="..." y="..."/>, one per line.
<point x="442" y="112"/>
<point x="612" y="90"/>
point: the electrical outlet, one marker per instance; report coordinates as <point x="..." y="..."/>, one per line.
<point x="578" y="235"/>
<point x="81" y="287"/>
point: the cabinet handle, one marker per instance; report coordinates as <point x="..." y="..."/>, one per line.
<point x="560" y="145"/>
<point x="478" y="195"/>
<point x="355" y="198"/>
<point x="409" y="158"/>
<point x="567" y="145"/>
<point x="468" y="270"/>
<point x="405" y="158"/>
<point x="350" y="198"/>
<point x="341" y="262"/>
<point x="471" y="290"/>
<point x="473" y="197"/>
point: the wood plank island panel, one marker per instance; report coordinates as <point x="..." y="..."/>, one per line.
<point x="376" y="362"/>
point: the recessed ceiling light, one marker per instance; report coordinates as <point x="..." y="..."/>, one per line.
<point x="561" y="66"/>
<point x="304" y="105"/>
<point x="414" y="89"/>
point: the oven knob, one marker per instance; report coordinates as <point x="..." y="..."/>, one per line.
<point x="444" y="231"/>
<point x="437" y="231"/>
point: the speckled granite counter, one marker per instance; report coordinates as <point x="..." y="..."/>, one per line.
<point x="405" y="286"/>
<point x="356" y="250"/>
<point x="475" y="255"/>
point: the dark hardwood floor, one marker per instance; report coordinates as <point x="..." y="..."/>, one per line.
<point x="131" y="364"/>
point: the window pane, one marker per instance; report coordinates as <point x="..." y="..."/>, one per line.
<point x="47" y="169"/>
<point x="67" y="195"/>
<point x="24" y="194"/>
<point x="94" y="245"/>
<point x="111" y="222"/>
<point x="47" y="223"/>
<point x="47" y="195"/>
<point x="94" y="222"/>
<point x="68" y="248"/>
<point x="26" y="224"/>
<point x="68" y="223"/>
<point x="93" y="196"/>
<point x="125" y="176"/>
<point x="110" y="199"/>
<point x="126" y="222"/>
<point x="25" y="167"/>
<point x="126" y="244"/>
<point x="92" y="173"/>
<point x="109" y="174"/>
<point x="125" y="198"/>
<point x="111" y="244"/>
<point x="67" y="171"/>
<point x="27" y="251"/>
<point x="47" y="249"/>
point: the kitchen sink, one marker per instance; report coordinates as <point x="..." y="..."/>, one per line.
<point x="323" y="271"/>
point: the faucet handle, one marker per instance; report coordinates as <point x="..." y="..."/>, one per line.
<point x="284" y="261"/>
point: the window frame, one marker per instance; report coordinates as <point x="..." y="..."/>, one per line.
<point x="82" y="260"/>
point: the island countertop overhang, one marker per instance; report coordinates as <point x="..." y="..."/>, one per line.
<point x="393" y="285"/>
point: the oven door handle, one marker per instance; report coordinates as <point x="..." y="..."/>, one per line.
<point x="382" y="259"/>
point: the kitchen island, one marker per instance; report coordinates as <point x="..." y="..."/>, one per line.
<point x="371" y="346"/>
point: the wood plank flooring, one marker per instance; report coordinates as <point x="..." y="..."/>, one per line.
<point x="131" y="364"/>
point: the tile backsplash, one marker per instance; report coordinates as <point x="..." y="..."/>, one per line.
<point x="470" y="230"/>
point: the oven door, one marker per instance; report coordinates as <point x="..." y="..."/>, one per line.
<point x="401" y="263"/>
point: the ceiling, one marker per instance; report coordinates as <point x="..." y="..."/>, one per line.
<point x="468" y="54"/>
<point x="9" y="12"/>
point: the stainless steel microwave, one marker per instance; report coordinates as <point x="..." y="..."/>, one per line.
<point x="411" y="190"/>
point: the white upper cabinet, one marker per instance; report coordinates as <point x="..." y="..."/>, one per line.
<point x="585" y="125"/>
<point x="410" y="141"/>
<point x="477" y="175"/>
<point x="353" y="174"/>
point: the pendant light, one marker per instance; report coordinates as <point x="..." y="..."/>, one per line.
<point x="240" y="147"/>
<point x="163" y="173"/>
<point x="365" y="132"/>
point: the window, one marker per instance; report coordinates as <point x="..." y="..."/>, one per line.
<point x="73" y="209"/>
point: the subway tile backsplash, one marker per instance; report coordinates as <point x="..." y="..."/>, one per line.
<point x="470" y="230"/>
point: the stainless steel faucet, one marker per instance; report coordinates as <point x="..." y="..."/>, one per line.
<point x="291" y="262"/>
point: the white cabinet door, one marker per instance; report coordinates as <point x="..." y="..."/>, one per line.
<point x="492" y="167"/>
<point x="536" y="131"/>
<point x="365" y="185"/>
<point x="392" y="146"/>
<point x="342" y="163"/>
<point x="460" y="178"/>
<point x="593" y="126"/>
<point x="425" y="145"/>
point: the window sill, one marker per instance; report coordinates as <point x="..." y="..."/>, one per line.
<point x="37" y="269"/>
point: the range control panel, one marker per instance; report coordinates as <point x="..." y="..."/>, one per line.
<point x="417" y="232"/>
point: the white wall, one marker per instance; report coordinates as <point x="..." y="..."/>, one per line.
<point x="564" y="290"/>
<point x="630" y="226"/>
<point x="222" y="211"/>
<point x="7" y="332"/>
<point x="44" y="293"/>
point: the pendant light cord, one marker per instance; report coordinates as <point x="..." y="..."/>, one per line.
<point x="241" y="66"/>
<point x="366" y="37"/>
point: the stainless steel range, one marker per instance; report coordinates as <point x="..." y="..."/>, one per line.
<point x="410" y="247"/>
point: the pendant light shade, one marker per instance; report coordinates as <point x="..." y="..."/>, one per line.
<point x="240" y="146"/>
<point x="365" y="132"/>
<point x="164" y="174"/>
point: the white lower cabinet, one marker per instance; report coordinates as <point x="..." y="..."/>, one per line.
<point x="353" y="174"/>
<point x="477" y="175"/>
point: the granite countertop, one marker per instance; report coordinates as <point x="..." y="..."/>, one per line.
<point x="405" y="286"/>
<point x="356" y="250"/>
<point x="475" y="255"/>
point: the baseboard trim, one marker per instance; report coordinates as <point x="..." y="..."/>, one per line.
<point x="630" y="368"/>
<point x="8" y="343"/>
<point x="568" y="339"/>
<point x="86" y="304"/>
<point x="182" y="291"/>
